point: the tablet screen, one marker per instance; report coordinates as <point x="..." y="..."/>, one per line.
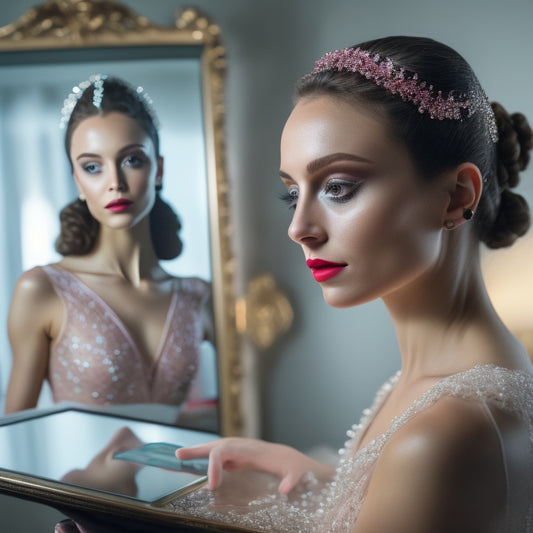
<point x="104" y="452"/>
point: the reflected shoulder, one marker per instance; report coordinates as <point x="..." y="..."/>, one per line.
<point x="34" y="284"/>
<point x="194" y="284"/>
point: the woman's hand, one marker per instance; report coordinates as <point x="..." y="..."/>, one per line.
<point x="235" y="453"/>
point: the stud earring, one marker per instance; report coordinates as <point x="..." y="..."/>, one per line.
<point x="81" y="196"/>
<point x="468" y="214"/>
<point x="449" y="224"/>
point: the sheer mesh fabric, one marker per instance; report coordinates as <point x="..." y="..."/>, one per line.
<point x="251" y="499"/>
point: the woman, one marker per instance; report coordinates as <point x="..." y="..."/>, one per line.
<point x="396" y="168"/>
<point x="106" y="325"/>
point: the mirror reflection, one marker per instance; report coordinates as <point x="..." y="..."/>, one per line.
<point x="108" y="453"/>
<point x="137" y="293"/>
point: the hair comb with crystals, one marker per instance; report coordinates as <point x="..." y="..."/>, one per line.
<point x="410" y="88"/>
<point x="97" y="80"/>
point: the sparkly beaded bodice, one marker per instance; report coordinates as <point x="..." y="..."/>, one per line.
<point x="335" y="506"/>
<point x="94" y="360"/>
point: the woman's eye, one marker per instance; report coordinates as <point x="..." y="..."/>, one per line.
<point x="91" y="168"/>
<point x="341" y="190"/>
<point x="290" y="198"/>
<point x="134" y="161"/>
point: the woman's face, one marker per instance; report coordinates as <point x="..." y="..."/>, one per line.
<point x="115" y="168"/>
<point x="367" y="223"/>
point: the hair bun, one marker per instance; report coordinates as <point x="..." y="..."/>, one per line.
<point x="165" y="226"/>
<point x="514" y="145"/>
<point x="515" y="142"/>
<point x="78" y="229"/>
<point x="512" y="221"/>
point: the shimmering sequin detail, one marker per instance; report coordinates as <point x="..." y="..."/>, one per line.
<point x="410" y="88"/>
<point x="334" y="506"/>
<point x="95" y="361"/>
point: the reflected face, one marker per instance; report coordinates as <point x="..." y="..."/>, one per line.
<point x="115" y="168"/>
<point x="368" y="225"/>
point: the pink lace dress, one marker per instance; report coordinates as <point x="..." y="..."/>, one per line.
<point x="94" y="360"/>
<point x="251" y="499"/>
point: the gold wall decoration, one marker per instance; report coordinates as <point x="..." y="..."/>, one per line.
<point x="265" y="313"/>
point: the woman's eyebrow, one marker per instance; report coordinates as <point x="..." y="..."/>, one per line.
<point x="321" y="162"/>
<point x="86" y="154"/>
<point x="121" y="151"/>
<point x="131" y="146"/>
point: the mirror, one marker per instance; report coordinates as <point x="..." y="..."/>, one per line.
<point x="52" y="48"/>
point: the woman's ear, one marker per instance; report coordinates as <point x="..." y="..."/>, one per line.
<point x="465" y="192"/>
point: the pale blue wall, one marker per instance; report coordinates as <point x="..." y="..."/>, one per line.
<point x="317" y="379"/>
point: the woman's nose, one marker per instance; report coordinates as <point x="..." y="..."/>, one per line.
<point x="117" y="181"/>
<point x="307" y="226"/>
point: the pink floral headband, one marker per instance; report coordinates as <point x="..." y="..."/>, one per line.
<point x="385" y="74"/>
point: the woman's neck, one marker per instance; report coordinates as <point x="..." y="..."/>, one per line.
<point x="445" y="322"/>
<point x="127" y="253"/>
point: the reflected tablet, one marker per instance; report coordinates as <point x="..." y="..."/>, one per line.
<point x="163" y="455"/>
<point x="75" y="449"/>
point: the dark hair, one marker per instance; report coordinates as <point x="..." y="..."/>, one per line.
<point x="438" y="145"/>
<point x="117" y="96"/>
<point x="79" y="229"/>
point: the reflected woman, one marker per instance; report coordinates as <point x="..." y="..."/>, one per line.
<point x="106" y="325"/>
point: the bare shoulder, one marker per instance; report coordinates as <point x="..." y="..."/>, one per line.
<point x="450" y="425"/>
<point x="442" y="471"/>
<point x="195" y="285"/>
<point x="34" y="285"/>
<point x="34" y="304"/>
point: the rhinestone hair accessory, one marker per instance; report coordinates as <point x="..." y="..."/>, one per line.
<point x="97" y="80"/>
<point x="148" y="104"/>
<point x="410" y="88"/>
<point x="98" y="93"/>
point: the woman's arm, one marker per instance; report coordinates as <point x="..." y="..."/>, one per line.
<point x="235" y="453"/>
<point x="33" y="307"/>
<point x="441" y="472"/>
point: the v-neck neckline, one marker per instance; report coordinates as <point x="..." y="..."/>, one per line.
<point x="144" y="358"/>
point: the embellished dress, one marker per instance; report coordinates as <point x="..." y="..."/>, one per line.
<point x="94" y="360"/>
<point x="252" y="500"/>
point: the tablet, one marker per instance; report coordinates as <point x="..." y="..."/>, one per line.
<point x="83" y="461"/>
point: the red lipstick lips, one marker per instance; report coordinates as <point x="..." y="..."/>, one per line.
<point x="121" y="204"/>
<point x="323" y="270"/>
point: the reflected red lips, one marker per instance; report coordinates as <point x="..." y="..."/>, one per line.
<point x="121" y="204"/>
<point x="323" y="270"/>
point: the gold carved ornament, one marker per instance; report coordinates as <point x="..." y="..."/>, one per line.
<point x="265" y="313"/>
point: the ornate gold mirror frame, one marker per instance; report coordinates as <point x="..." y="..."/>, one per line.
<point x="81" y="24"/>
